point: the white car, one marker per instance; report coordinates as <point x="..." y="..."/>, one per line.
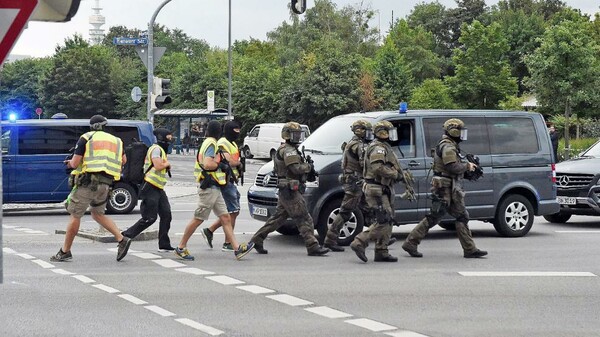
<point x="264" y="140"/>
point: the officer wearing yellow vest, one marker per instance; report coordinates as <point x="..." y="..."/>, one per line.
<point x="211" y="174"/>
<point x="231" y="195"/>
<point x="155" y="202"/>
<point x="97" y="163"/>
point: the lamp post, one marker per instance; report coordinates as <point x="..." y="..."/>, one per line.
<point x="151" y="59"/>
<point x="229" y="66"/>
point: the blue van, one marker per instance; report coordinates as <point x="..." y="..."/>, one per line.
<point x="33" y="152"/>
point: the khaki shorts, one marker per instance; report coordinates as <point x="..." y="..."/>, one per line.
<point x="210" y="199"/>
<point x="83" y="197"/>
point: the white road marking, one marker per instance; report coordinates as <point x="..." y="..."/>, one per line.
<point x="404" y="333"/>
<point x="22" y="229"/>
<point x="195" y="271"/>
<point x="370" y="324"/>
<point x="147" y="256"/>
<point x="198" y="326"/>
<point x="577" y="232"/>
<point x="525" y="273"/>
<point x="106" y="288"/>
<point x="255" y="289"/>
<point x="220" y="233"/>
<point x="114" y="250"/>
<point x="43" y="264"/>
<point x="26" y="256"/>
<point x="289" y="300"/>
<point x="33" y="231"/>
<point x="9" y="227"/>
<point x="168" y="263"/>
<point x="84" y="279"/>
<point x="328" y="312"/>
<point x="9" y="251"/>
<point x="159" y="310"/>
<point x="132" y="299"/>
<point x="225" y="280"/>
<point x="62" y="271"/>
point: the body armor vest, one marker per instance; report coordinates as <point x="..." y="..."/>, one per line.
<point x="353" y="158"/>
<point x="438" y="162"/>
<point x="388" y="157"/>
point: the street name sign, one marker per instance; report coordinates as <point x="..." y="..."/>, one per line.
<point x="129" y="41"/>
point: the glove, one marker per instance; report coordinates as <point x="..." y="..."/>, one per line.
<point x="223" y="166"/>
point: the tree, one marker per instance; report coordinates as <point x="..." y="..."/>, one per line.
<point x="20" y="86"/>
<point x="431" y="94"/>
<point x="482" y="74"/>
<point x="393" y="78"/>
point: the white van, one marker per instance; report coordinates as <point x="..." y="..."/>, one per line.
<point x="264" y="140"/>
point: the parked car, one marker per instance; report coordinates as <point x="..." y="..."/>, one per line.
<point x="33" y="152"/>
<point x="264" y="139"/>
<point x="514" y="150"/>
<point x="578" y="184"/>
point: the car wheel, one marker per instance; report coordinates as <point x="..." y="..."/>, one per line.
<point x="122" y="200"/>
<point x="247" y="152"/>
<point x="349" y="230"/>
<point x="558" y="217"/>
<point x="514" y="216"/>
<point x="451" y="226"/>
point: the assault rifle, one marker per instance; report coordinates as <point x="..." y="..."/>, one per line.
<point x="409" y="183"/>
<point x="478" y="173"/>
<point x="312" y="175"/>
<point x="242" y="167"/>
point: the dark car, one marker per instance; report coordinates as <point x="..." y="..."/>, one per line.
<point x="578" y="183"/>
<point x="513" y="147"/>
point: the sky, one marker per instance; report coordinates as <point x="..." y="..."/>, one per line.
<point x="208" y="19"/>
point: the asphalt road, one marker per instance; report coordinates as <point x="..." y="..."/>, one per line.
<point x="544" y="284"/>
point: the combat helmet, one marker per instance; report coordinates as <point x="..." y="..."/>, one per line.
<point x="360" y="127"/>
<point x="382" y="129"/>
<point x="292" y="132"/>
<point x="455" y="128"/>
<point x="97" y="122"/>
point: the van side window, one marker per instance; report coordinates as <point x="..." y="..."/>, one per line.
<point x="126" y="133"/>
<point x="477" y="141"/>
<point x="254" y="132"/>
<point x="513" y="135"/>
<point x="6" y="141"/>
<point x="406" y="138"/>
<point x="47" y="139"/>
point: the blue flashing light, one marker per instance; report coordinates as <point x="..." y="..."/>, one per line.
<point x="403" y="107"/>
<point x="12" y="117"/>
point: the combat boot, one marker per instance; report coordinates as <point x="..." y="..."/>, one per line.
<point x="412" y="251"/>
<point x="475" y="254"/>
<point x="334" y="247"/>
<point x="385" y="257"/>
<point x="259" y="248"/>
<point x="317" y="251"/>
<point x="359" y="250"/>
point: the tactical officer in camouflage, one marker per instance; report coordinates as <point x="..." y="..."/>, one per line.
<point x="446" y="192"/>
<point x="382" y="170"/>
<point x="292" y="170"/>
<point x="351" y="179"/>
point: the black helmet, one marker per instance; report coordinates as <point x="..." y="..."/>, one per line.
<point x="213" y="129"/>
<point x="97" y="122"/>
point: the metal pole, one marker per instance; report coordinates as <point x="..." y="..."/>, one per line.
<point x="229" y="115"/>
<point x="151" y="59"/>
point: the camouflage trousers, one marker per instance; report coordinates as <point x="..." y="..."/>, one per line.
<point x="292" y="205"/>
<point x="381" y="230"/>
<point x="353" y="199"/>
<point x="446" y="199"/>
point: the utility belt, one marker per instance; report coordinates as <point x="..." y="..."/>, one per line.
<point x="90" y="179"/>
<point x="441" y="174"/>
<point x="441" y="182"/>
<point x="350" y="177"/>
<point x="291" y="185"/>
<point x="209" y="182"/>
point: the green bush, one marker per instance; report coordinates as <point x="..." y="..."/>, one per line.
<point x="577" y="146"/>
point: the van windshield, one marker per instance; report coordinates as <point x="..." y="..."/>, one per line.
<point x="328" y="138"/>
<point x="593" y="151"/>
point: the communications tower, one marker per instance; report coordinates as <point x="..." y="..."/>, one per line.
<point x="97" y="21"/>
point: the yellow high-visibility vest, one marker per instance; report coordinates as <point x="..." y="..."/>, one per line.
<point x="155" y="177"/>
<point x="218" y="175"/>
<point x="103" y="153"/>
<point x="233" y="151"/>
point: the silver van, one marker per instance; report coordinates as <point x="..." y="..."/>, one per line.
<point x="514" y="150"/>
<point x="264" y="140"/>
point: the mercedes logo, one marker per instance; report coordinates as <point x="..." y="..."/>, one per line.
<point x="266" y="180"/>
<point x="563" y="181"/>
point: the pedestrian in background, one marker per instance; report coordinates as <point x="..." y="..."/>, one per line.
<point x="97" y="163"/>
<point x="186" y="143"/>
<point x="554" y="139"/>
<point x="155" y="202"/>
<point x="229" y="149"/>
<point x="292" y="169"/>
<point x="447" y="192"/>
<point x="211" y="174"/>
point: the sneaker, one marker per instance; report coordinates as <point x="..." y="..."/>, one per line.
<point x="227" y="247"/>
<point x="123" y="248"/>
<point x="208" y="236"/>
<point x="183" y="254"/>
<point x="166" y="249"/>
<point x="243" y="249"/>
<point x="61" y="256"/>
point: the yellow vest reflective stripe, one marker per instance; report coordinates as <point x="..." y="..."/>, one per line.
<point x="103" y="153"/>
<point x="233" y="151"/>
<point x="217" y="175"/>
<point x="155" y="177"/>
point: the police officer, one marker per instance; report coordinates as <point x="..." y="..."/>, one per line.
<point x="97" y="163"/>
<point x="154" y="199"/>
<point x="447" y="193"/>
<point x="292" y="170"/>
<point x="351" y="179"/>
<point x="381" y="171"/>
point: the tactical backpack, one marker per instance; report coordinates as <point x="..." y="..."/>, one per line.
<point x="133" y="170"/>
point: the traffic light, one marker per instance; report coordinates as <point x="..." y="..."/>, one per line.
<point x="298" y="6"/>
<point x="160" y="92"/>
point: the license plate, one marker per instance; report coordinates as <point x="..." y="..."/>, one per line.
<point x="260" y="211"/>
<point x="566" y="200"/>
